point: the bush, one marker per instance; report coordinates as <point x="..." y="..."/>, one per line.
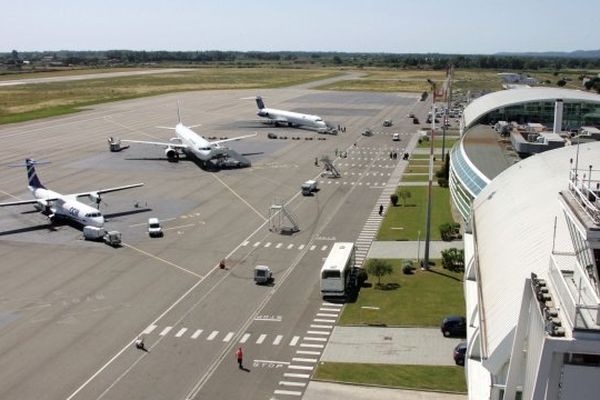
<point x="453" y="259"/>
<point x="442" y="182"/>
<point x="394" y="199"/>
<point x="362" y="277"/>
<point x="407" y="267"/>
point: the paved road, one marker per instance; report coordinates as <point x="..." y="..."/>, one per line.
<point x="409" y="249"/>
<point x="335" y="391"/>
<point x="70" y="310"/>
<point x="103" y="75"/>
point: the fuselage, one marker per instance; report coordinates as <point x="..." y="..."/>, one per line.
<point x="293" y="118"/>
<point x="68" y="207"/>
<point x="197" y="145"/>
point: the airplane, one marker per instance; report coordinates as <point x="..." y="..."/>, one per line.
<point x="190" y="143"/>
<point x="66" y="206"/>
<point x="290" y="118"/>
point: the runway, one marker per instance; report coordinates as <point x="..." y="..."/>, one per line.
<point x="70" y="309"/>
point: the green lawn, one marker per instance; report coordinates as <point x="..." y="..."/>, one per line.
<point x="389" y="81"/>
<point x="420" y="299"/>
<point x="410" y="219"/>
<point x="423" y="377"/>
<point x="24" y="102"/>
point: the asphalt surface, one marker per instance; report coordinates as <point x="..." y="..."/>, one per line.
<point x="71" y="309"/>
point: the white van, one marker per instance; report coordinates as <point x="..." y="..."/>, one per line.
<point x="396" y="137"/>
<point x="154" y="228"/>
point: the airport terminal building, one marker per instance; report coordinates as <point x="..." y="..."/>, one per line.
<point x="532" y="249"/>
<point x="483" y="153"/>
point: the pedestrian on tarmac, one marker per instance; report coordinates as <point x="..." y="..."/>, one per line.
<point x="239" y="355"/>
<point x="381" y="209"/>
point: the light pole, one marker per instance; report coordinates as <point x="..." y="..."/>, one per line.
<point x="418" y="247"/>
<point x="425" y="263"/>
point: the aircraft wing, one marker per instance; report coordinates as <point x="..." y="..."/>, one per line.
<point x="109" y="190"/>
<point x="162" y="144"/>
<point x="23" y="202"/>
<point x="233" y="139"/>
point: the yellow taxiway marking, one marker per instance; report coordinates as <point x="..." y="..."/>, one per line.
<point x="162" y="260"/>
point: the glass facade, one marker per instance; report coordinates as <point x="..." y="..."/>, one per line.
<point x="575" y="114"/>
<point x="465" y="182"/>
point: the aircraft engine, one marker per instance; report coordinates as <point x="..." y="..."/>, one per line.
<point x="172" y="154"/>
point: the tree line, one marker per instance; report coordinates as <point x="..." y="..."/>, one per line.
<point x="252" y="58"/>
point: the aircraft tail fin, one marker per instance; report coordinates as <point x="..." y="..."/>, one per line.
<point x="32" y="178"/>
<point x="260" y="103"/>
<point x="178" y="113"/>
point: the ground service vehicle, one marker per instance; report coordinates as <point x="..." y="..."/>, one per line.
<point x="309" y="187"/>
<point x="262" y="274"/>
<point x="112" y="238"/>
<point x="154" y="228"/>
<point x="396" y="137"/>
<point x="387" y="122"/>
<point x="336" y="271"/>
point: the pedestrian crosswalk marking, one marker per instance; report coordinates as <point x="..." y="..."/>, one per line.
<point x="256" y="244"/>
<point x="308" y="352"/>
<point x="302" y="367"/>
<point x="323" y="320"/>
<point x="315" y="339"/>
<point x="326" y="315"/>
<point x="277" y="340"/>
<point x="300" y="247"/>
<point x="300" y="359"/>
<point x="294" y="375"/>
<point x="317" y="326"/>
<point x="181" y="332"/>
<point x="327" y="304"/>
<point x="312" y="345"/>
<point x="245" y="243"/>
<point x="313" y="247"/>
<point x="261" y="339"/>
<point x="324" y="248"/>
<point x="288" y="392"/>
<point x="212" y="335"/>
<point x="149" y="329"/>
<point x="294" y="340"/>
<point x="288" y="383"/>
<point x="245" y="338"/>
<point x="166" y="330"/>
<point x="267" y="244"/>
<point x="290" y="246"/>
<point x="196" y="334"/>
<point x="317" y="333"/>
<point x="278" y="245"/>
<point x="328" y="309"/>
<point x="228" y="337"/>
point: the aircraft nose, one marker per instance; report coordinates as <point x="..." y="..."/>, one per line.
<point x="99" y="221"/>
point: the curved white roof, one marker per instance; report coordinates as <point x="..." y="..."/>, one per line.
<point x="503" y="98"/>
<point x="514" y="223"/>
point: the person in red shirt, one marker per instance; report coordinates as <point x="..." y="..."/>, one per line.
<point x="239" y="355"/>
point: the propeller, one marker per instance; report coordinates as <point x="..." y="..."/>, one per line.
<point x="27" y="162"/>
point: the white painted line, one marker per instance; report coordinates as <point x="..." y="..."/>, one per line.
<point x="292" y="375"/>
<point x="326" y="315"/>
<point x="317" y="326"/>
<point x="312" y="346"/>
<point x="244" y="338"/>
<point x="245" y="243"/>
<point x="308" y="352"/>
<point x="302" y="367"/>
<point x="290" y="246"/>
<point x="288" y="383"/>
<point x="329" y="309"/>
<point x="323" y="320"/>
<point x="308" y="360"/>
<point x="261" y="338"/>
<point x="324" y="248"/>
<point x="166" y="330"/>
<point x="277" y="340"/>
<point x="228" y="337"/>
<point x="272" y="362"/>
<point x="256" y="244"/>
<point x="149" y="329"/>
<point x="294" y="340"/>
<point x="314" y="339"/>
<point x="288" y="392"/>
<point x="196" y="334"/>
<point x="268" y="244"/>
<point x="313" y="247"/>
<point x="212" y="335"/>
<point x="317" y="333"/>
<point x="181" y="332"/>
<point x="301" y="247"/>
<point x="278" y="245"/>
<point x="327" y="304"/>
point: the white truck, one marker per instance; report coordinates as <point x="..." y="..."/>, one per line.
<point x="309" y="187"/>
<point x="263" y="274"/>
<point x="154" y="228"/>
<point x="112" y="238"/>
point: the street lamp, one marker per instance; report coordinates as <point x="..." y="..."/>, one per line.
<point x="425" y="263"/>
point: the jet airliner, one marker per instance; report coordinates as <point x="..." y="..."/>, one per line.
<point x="67" y="206"/>
<point x="290" y="118"/>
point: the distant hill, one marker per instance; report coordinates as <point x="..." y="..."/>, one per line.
<point x="561" y="54"/>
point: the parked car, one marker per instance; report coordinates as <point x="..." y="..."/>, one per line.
<point x="459" y="353"/>
<point x="454" y="326"/>
<point x="154" y="228"/>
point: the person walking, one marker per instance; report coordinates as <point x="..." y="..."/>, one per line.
<point x="239" y="355"/>
<point x="381" y="209"/>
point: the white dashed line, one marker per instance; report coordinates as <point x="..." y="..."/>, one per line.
<point x="166" y="330"/>
<point x="212" y="335"/>
<point x="294" y="340"/>
<point x="256" y="244"/>
<point x="245" y="338"/>
<point x="278" y="245"/>
<point x="324" y="248"/>
<point x="181" y="332"/>
<point x="290" y="246"/>
<point x="268" y="244"/>
<point x="301" y="247"/>
<point x="313" y="247"/>
<point x="196" y="334"/>
<point x="228" y="337"/>
<point x="277" y="340"/>
<point x="149" y="329"/>
<point x="261" y="339"/>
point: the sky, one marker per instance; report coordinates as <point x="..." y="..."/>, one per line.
<point x="390" y="26"/>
